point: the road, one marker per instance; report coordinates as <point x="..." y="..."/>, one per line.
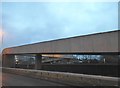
<point x="18" y="80"/>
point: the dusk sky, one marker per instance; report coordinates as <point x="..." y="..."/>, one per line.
<point x="31" y="22"/>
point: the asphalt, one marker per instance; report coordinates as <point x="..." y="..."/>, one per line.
<point x="18" y="80"/>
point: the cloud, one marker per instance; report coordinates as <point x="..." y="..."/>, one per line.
<point x="34" y="22"/>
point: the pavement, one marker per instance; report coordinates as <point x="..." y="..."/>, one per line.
<point x="18" y="80"/>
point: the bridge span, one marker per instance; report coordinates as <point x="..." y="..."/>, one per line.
<point x="94" y="43"/>
<point x="106" y="42"/>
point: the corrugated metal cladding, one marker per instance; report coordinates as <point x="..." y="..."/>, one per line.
<point x="93" y="43"/>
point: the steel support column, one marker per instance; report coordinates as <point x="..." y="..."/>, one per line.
<point x="38" y="61"/>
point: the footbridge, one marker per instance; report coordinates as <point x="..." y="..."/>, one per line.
<point x="93" y="44"/>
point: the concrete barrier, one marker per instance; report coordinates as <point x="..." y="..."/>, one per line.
<point x="66" y="78"/>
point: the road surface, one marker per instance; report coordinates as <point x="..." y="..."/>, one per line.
<point x="18" y="80"/>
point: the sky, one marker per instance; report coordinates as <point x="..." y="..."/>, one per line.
<point x="31" y="22"/>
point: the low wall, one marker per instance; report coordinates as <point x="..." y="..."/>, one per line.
<point x="92" y="69"/>
<point x="67" y="78"/>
